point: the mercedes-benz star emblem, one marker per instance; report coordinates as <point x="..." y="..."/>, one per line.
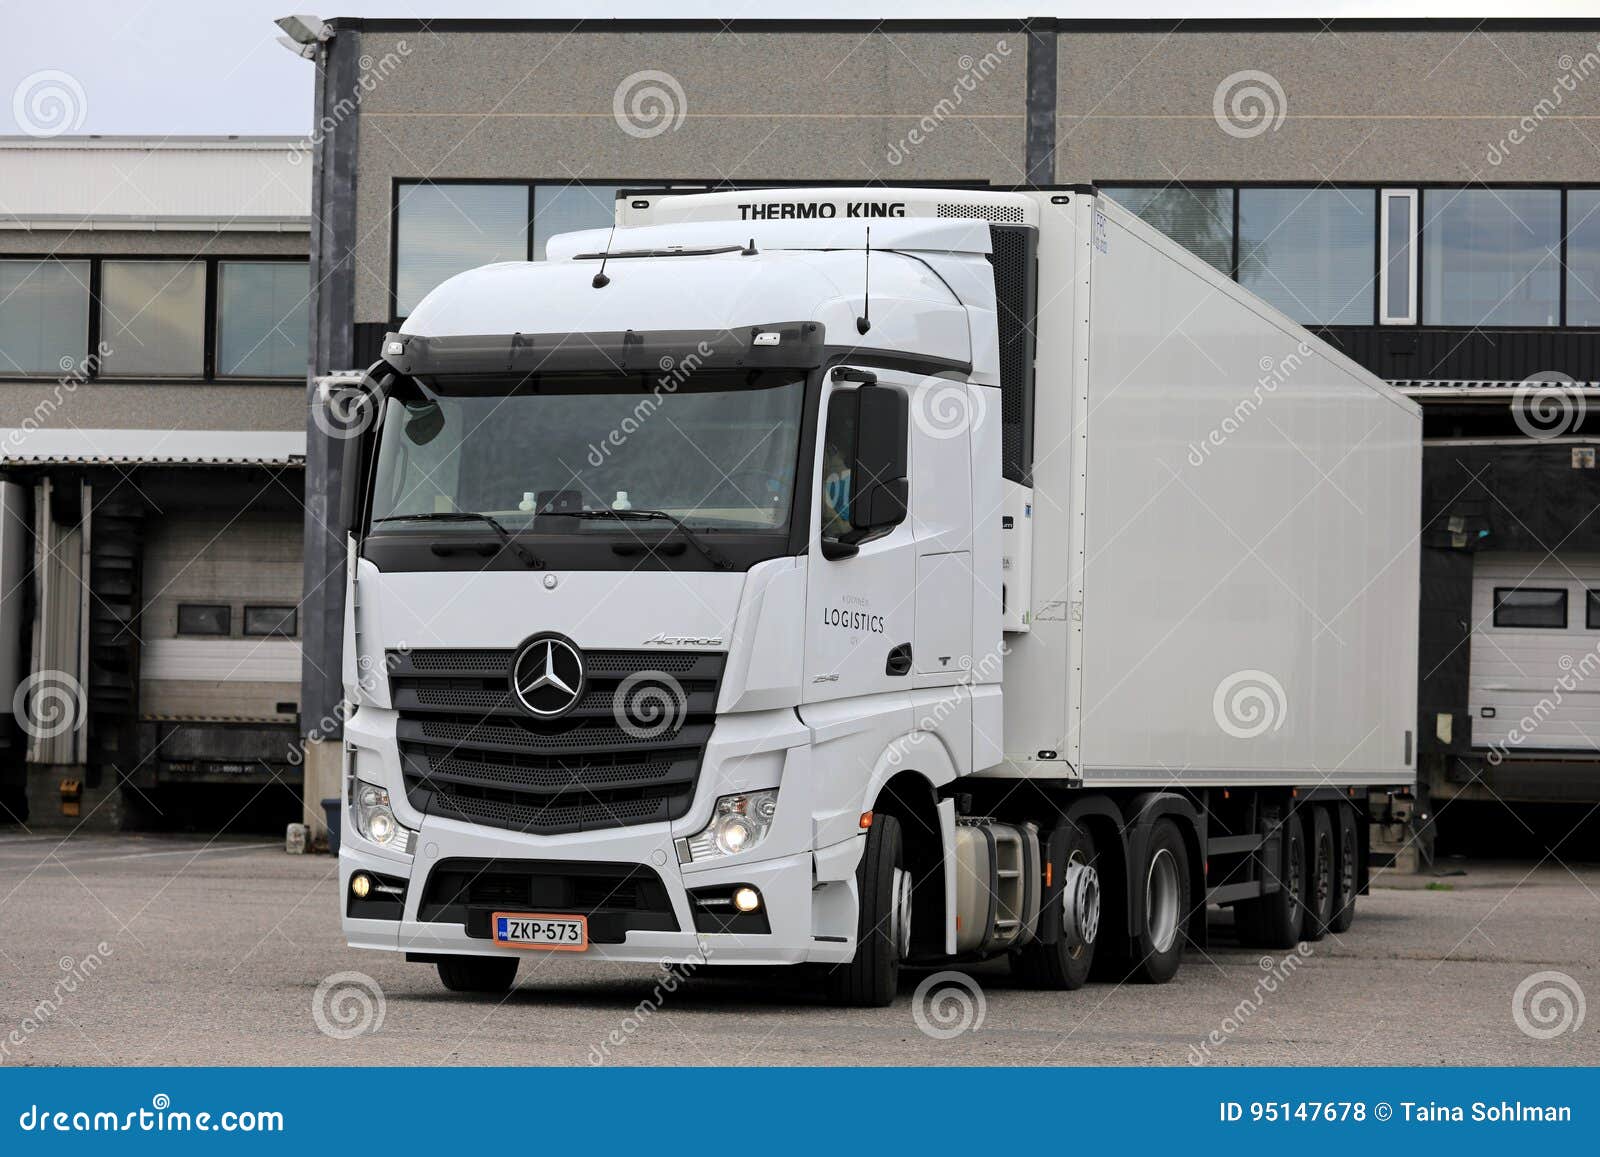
<point x="547" y="676"/>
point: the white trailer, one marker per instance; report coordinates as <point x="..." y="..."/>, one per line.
<point x="852" y="577"/>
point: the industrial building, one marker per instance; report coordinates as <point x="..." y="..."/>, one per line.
<point x="154" y="305"/>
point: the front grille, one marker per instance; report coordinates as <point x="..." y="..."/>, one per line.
<point x="617" y="898"/>
<point x="469" y="752"/>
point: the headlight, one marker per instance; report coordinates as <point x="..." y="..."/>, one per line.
<point x="738" y="823"/>
<point x="374" y="820"/>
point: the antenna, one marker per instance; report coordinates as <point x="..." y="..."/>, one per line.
<point x="864" y="322"/>
<point x="600" y="279"/>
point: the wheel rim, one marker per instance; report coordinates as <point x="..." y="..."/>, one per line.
<point x="900" y="912"/>
<point x="1161" y="901"/>
<point x="1322" y="881"/>
<point x="1347" y="867"/>
<point x="1080" y="905"/>
<point x="1295" y="870"/>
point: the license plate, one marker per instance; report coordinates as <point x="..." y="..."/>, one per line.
<point x="537" y="930"/>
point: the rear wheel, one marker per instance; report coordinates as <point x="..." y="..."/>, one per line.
<point x="883" y="923"/>
<point x="1347" y="877"/>
<point x="478" y="973"/>
<point x="1065" y="964"/>
<point x="1165" y="879"/>
<point x="1275" y="920"/>
<point x="1322" y="862"/>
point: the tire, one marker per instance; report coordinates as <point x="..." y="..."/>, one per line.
<point x="492" y="974"/>
<point x="1322" y="870"/>
<point x="873" y="977"/>
<point x="1275" y="920"/>
<point x="1058" y="967"/>
<point x="1164" y="876"/>
<point x="1347" y="877"/>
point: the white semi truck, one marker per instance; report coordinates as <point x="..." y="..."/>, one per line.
<point x="857" y="578"/>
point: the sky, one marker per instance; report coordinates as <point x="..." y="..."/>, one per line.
<point x="190" y="66"/>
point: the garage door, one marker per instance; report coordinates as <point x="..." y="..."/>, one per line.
<point x="1535" y="675"/>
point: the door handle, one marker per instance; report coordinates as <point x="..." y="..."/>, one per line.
<point x="899" y="660"/>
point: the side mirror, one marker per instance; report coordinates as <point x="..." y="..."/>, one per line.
<point x="878" y="487"/>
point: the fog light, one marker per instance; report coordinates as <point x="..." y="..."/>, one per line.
<point x="360" y="885"/>
<point x="746" y="899"/>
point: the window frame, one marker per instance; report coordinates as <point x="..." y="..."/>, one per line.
<point x="227" y="619"/>
<point x="1413" y="198"/>
<point x="1566" y="607"/>
<point x="294" y="616"/>
<point x="1564" y="188"/>
<point x="91" y="318"/>
<point x="90" y="366"/>
<point x="214" y="318"/>
<point x="1591" y="605"/>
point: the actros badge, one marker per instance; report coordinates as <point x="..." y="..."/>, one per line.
<point x="547" y="675"/>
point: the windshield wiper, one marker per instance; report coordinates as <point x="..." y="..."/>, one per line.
<point x="506" y="537"/>
<point x="634" y="514"/>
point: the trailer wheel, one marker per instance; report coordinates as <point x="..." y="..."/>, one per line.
<point x="1347" y="878"/>
<point x="1275" y="920"/>
<point x="1322" y="863"/>
<point x="478" y="973"/>
<point x="1164" y="875"/>
<point x="883" y="922"/>
<point x="1064" y="965"/>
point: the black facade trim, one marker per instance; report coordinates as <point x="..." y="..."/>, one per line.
<point x="1040" y="147"/>
<point x="1168" y="25"/>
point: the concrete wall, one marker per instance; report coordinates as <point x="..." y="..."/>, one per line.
<point x="1356" y="105"/>
<point x="756" y="107"/>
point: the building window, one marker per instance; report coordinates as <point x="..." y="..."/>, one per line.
<point x="279" y="621"/>
<point x="1591" y="613"/>
<point x="1397" y="281"/>
<point x="263" y="318"/>
<point x="1201" y="220"/>
<point x="152" y="318"/>
<point x="1491" y="256"/>
<point x="443" y="229"/>
<point x="1583" y="257"/>
<point x="1310" y="252"/>
<point x="204" y="619"/>
<point x="568" y="208"/>
<point x="1543" y="609"/>
<point x="44" y="316"/>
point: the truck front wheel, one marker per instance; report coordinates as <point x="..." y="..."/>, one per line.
<point x="478" y="973"/>
<point x="883" y="922"/>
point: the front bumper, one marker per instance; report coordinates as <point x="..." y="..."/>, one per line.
<point x="808" y="921"/>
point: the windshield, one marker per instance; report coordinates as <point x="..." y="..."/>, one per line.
<point x="718" y="452"/>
